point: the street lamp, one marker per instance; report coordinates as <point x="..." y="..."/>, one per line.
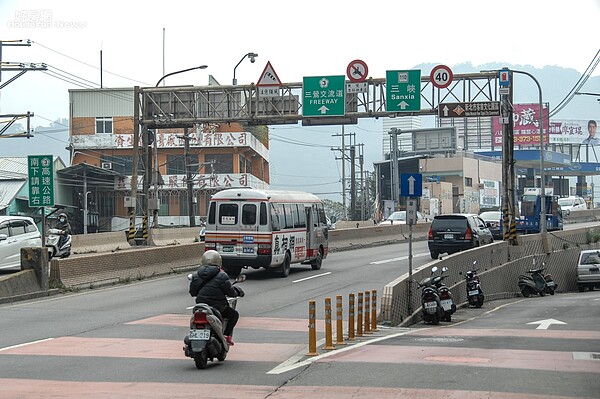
<point x="184" y="70"/>
<point x="252" y="57"/>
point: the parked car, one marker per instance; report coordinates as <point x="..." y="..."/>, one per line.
<point x="16" y="232"/>
<point x="493" y="220"/>
<point x="588" y="269"/>
<point x="456" y="232"/>
<point x="569" y="204"/>
<point x="399" y="217"/>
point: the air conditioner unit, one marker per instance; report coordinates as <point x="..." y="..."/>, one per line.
<point x="107" y="165"/>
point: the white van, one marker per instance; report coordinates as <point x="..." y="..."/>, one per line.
<point x="16" y="232"/>
<point x="569" y="204"/>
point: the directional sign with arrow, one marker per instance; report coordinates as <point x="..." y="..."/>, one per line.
<point x="544" y="324"/>
<point x="411" y="184"/>
<point x="323" y="96"/>
<point x="403" y="89"/>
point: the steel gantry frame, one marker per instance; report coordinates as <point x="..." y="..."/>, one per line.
<point x="181" y="106"/>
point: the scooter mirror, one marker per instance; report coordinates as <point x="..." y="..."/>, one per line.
<point x="434" y="269"/>
<point x="444" y="269"/>
<point x="474" y="262"/>
<point x="190" y="276"/>
<point x="241" y="278"/>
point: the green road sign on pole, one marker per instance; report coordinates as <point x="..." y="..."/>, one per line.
<point x="41" y="180"/>
<point x="403" y="89"/>
<point x="324" y="95"/>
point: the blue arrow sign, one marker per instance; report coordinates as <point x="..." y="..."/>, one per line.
<point x="411" y="184"/>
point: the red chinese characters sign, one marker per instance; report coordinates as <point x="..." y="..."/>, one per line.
<point x="526" y="128"/>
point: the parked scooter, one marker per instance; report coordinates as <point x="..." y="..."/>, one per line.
<point x="431" y="307"/>
<point x="474" y="292"/>
<point x="537" y="282"/>
<point x="52" y="243"/>
<point x="445" y="295"/>
<point x="206" y="340"/>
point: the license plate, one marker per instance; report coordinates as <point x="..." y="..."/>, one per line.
<point x="446" y="304"/>
<point x="448" y="236"/>
<point x="550" y="283"/>
<point x="227" y="248"/>
<point x="430" y="305"/>
<point x="473" y="293"/>
<point x="203" y="335"/>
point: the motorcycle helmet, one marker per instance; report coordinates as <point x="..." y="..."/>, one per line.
<point x="211" y="257"/>
<point x="62" y="217"/>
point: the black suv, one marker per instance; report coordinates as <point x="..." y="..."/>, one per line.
<point x="457" y="232"/>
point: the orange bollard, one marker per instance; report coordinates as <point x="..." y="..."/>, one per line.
<point x="312" y="329"/>
<point x="359" y="316"/>
<point x="328" y="332"/>
<point x="367" y="312"/>
<point x="340" y="326"/>
<point x="351" y="317"/>
<point x="374" y="312"/>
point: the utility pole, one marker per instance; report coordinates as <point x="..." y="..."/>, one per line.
<point x="508" y="172"/>
<point x="134" y="174"/>
<point x="353" y="181"/>
<point x="188" y="177"/>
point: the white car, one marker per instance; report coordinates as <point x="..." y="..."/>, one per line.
<point x="569" y="204"/>
<point x="399" y="217"/>
<point x="16" y="232"/>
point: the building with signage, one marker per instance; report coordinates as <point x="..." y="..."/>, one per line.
<point x="102" y="158"/>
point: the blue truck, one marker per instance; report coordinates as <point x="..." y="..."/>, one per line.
<point x="531" y="209"/>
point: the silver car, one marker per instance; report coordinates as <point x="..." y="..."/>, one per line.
<point x="588" y="269"/>
<point x="16" y="232"/>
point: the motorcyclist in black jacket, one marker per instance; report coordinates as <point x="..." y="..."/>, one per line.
<point x="211" y="285"/>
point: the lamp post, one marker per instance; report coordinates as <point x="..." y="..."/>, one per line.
<point x="252" y="57"/>
<point x="183" y="70"/>
<point x="190" y="183"/>
<point x="542" y="175"/>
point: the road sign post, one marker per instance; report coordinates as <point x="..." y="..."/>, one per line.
<point x="324" y="96"/>
<point x="403" y="89"/>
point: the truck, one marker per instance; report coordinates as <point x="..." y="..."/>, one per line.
<point x="531" y="209"/>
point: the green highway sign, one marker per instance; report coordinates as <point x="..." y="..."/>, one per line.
<point x="41" y="180"/>
<point x="403" y="90"/>
<point x="324" y="95"/>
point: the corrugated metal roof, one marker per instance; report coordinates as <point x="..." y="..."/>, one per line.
<point x="13" y="168"/>
<point x="8" y="191"/>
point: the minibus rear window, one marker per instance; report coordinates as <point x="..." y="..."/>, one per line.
<point x="249" y="214"/>
<point x="228" y="214"/>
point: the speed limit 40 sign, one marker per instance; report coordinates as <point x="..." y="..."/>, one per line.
<point x="441" y="76"/>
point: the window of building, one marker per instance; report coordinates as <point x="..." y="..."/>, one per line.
<point x="175" y="165"/>
<point x="468" y="181"/>
<point x="104" y="125"/>
<point x="223" y="163"/>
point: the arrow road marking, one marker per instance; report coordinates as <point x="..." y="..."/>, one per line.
<point x="544" y="324"/>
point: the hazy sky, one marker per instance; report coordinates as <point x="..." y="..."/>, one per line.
<point x="308" y="38"/>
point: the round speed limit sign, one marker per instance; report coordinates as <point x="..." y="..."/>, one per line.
<point x="441" y="76"/>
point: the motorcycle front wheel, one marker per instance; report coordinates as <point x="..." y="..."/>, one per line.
<point x="201" y="359"/>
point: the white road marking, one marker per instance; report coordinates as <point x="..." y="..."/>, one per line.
<point x="308" y="278"/>
<point x="379" y="262"/>
<point x="25" y="344"/>
<point x="544" y="324"/>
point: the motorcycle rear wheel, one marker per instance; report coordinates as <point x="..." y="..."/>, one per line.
<point x="526" y="292"/>
<point x="201" y="360"/>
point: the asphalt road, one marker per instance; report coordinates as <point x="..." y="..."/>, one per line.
<point x="126" y="342"/>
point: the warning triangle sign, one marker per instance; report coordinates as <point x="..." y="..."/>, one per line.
<point x="269" y="77"/>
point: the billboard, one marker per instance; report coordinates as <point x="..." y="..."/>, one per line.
<point x="573" y="132"/>
<point x="526" y="128"/>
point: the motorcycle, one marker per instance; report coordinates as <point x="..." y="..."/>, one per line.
<point x="445" y="295"/>
<point x="474" y="292"/>
<point x="202" y="234"/>
<point x="52" y="243"/>
<point x="206" y="341"/>
<point x="431" y="307"/>
<point x="537" y="282"/>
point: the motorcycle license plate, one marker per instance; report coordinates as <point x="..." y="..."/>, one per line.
<point x="202" y="335"/>
<point x="446" y="304"/>
<point x="473" y="293"/>
<point x="430" y="305"/>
